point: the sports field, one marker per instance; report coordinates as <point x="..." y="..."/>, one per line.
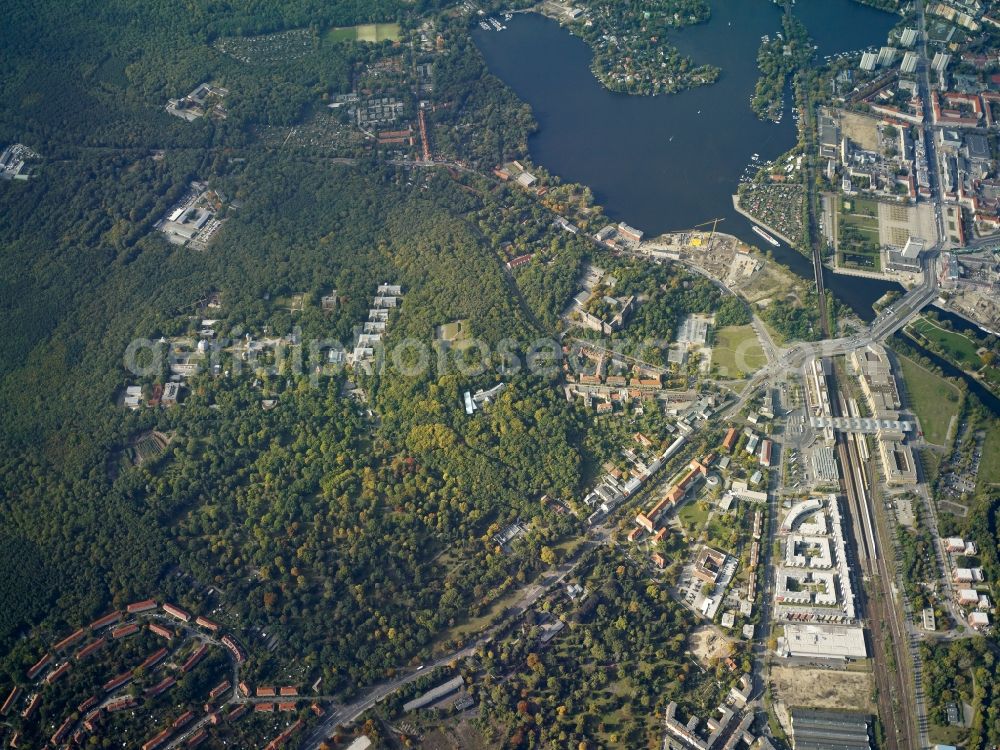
<point x="365" y="32"/>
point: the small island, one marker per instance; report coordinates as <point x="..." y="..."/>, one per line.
<point x="631" y="52"/>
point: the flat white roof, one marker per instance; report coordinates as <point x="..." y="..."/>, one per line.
<point x="825" y="641"/>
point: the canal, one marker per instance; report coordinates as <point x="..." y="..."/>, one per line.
<point x="668" y="163"/>
<point x="988" y="399"/>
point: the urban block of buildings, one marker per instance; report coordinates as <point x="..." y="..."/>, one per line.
<point x="17" y="162"/>
<point x="204" y="99"/>
<point x="194" y="220"/>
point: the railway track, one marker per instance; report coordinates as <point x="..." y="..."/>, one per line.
<point x="893" y="681"/>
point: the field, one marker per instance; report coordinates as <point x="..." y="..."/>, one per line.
<point x="454" y="331"/>
<point x="823" y="688"/>
<point x="862" y="129"/>
<point x="955" y="346"/>
<point x="989" y="467"/>
<point x="365" y="32"/>
<point x="857" y="233"/>
<point x="935" y="400"/>
<point x="737" y="352"/>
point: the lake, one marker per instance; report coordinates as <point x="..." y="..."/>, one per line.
<point x="668" y="163"/>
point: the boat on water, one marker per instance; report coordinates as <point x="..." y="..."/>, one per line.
<point x="766" y="236"/>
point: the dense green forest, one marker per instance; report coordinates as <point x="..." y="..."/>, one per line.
<point x="86" y="273"/>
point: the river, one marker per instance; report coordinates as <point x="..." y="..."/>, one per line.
<point x="668" y="163"/>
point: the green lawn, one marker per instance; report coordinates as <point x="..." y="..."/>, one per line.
<point x="989" y="467"/>
<point x="857" y="234"/>
<point x="737" y="351"/>
<point x="861" y="223"/>
<point x="365" y="32"/>
<point x="933" y="398"/>
<point x="860" y="206"/>
<point x="693" y="516"/>
<point x="955" y="346"/>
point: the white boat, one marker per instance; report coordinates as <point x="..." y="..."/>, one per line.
<point x="766" y="236"/>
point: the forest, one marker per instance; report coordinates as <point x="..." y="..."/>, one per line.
<point x="964" y="671"/>
<point x="606" y="678"/>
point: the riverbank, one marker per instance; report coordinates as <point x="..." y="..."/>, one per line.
<point x="964" y="350"/>
<point x="669" y="163"/>
<point x="760" y="222"/>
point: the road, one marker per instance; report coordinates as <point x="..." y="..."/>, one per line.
<point x="886" y="324"/>
<point x="531" y="593"/>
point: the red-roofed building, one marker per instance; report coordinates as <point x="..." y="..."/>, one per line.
<point x="15" y="693"/>
<point x="70" y="640"/>
<point x="125" y="630"/>
<point x="207" y="624"/>
<point x="174" y="611"/>
<point x="289" y="690"/>
<point x="235" y="649"/>
<point x="56" y="673"/>
<point x="143" y="606"/>
<point x="161" y="687"/>
<point x="263" y="707"/>
<point x="219" y="689"/>
<point x="181" y="720"/>
<point x="266" y="692"/>
<point x="39" y="666"/>
<point x="286" y="706"/>
<point x="195" y="658"/>
<point x="63" y="731"/>
<point x="634" y="534"/>
<point x="157" y="741"/>
<point x="109" y="619"/>
<point x="237" y="712"/>
<point x="730" y="439"/>
<point x="87" y="704"/>
<point x="120" y="704"/>
<point x="90" y="648"/>
<point x="196" y="739"/>
<point x="116" y="682"/>
<point x="155" y="658"/>
<point x="161" y="630"/>
<point x="91" y="720"/>
<point x="32" y="705"/>
<point x="659" y="560"/>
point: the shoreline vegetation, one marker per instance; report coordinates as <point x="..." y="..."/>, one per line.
<point x="631" y="53"/>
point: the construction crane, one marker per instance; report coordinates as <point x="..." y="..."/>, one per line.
<point x="714" y="223"/>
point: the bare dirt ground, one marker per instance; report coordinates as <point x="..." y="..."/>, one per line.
<point x="823" y="688"/>
<point x="861" y="129"/>
<point x="455" y="736"/>
<point x="707" y="645"/>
